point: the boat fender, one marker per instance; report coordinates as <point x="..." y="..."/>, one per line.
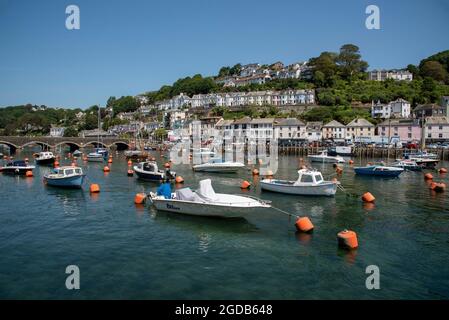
<point x="428" y="176"/>
<point x="140" y="198"/>
<point x="29" y="173"/>
<point x="130" y="173"/>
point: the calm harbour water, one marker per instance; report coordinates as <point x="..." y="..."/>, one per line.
<point x="126" y="251"/>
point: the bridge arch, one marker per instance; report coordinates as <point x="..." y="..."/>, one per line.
<point x="12" y="147"/>
<point x="73" y="145"/>
<point x="121" y="145"/>
<point x="38" y="143"/>
<point x="96" y="144"/>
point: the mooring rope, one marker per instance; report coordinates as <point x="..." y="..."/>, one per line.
<point x="285" y="212"/>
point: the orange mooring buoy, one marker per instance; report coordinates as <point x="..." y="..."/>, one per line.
<point x="130" y="162"/>
<point x="438" y="187"/>
<point x="443" y="170"/>
<point x="84" y="158"/>
<point x="106" y="169"/>
<point x="347" y="239"/>
<point x="351" y="161"/>
<point x="179" y="179"/>
<point x="130" y="173"/>
<point x="110" y="160"/>
<point x="368" y="197"/>
<point x="304" y="224"/>
<point x="94" y="188"/>
<point x="245" y="185"/>
<point x="255" y="172"/>
<point x="339" y="170"/>
<point x="140" y="198"/>
<point x="167" y="165"/>
<point x="428" y="176"/>
<point x="56" y="164"/>
<point x="29" y="173"/>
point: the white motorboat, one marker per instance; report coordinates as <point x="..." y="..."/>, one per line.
<point x="45" y="157"/>
<point x="19" y="167"/>
<point x="218" y="165"/>
<point x="324" y="157"/>
<point x="309" y="183"/>
<point x="95" y="157"/>
<point x="203" y="152"/>
<point x="205" y="202"/>
<point x="149" y="170"/>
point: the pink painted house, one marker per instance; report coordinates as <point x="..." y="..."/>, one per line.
<point x="407" y="130"/>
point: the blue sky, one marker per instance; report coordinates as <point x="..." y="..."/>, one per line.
<point x="129" y="47"/>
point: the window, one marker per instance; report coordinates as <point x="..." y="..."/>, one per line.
<point x="440" y="127"/>
<point x="318" y="178"/>
<point x="429" y="135"/>
<point x="409" y="128"/>
<point x="306" y="178"/>
<point x="440" y="135"/>
<point x="429" y="127"/>
<point x="409" y="135"/>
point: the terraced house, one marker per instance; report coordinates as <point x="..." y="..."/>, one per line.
<point x="334" y="130"/>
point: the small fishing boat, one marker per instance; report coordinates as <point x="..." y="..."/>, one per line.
<point x="340" y="151"/>
<point x="407" y="165"/>
<point x="218" y="165"/>
<point x="423" y="158"/>
<point x="45" y="157"/>
<point x="95" y="157"/>
<point x="381" y="171"/>
<point x="77" y="153"/>
<point x="19" y="167"/>
<point x="66" y="177"/>
<point x="309" y="183"/>
<point x="205" y="202"/>
<point x="149" y="170"/>
<point x="324" y="157"/>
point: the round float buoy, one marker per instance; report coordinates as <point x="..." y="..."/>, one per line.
<point x="260" y="161"/>
<point x="428" y="176"/>
<point x="167" y="165"/>
<point x="245" y="185"/>
<point x="84" y="158"/>
<point x="304" y="224"/>
<point x="130" y="173"/>
<point x="26" y="159"/>
<point x="110" y="160"/>
<point x="140" y="198"/>
<point x="347" y="239"/>
<point x="443" y="170"/>
<point x="339" y="170"/>
<point x="351" y="161"/>
<point x="438" y="187"/>
<point x="29" y="173"/>
<point x="255" y="172"/>
<point x="179" y="179"/>
<point x="368" y="197"/>
<point x="56" y="164"/>
<point x="94" y="188"/>
<point x="130" y="162"/>
<point x="106" y="169"/>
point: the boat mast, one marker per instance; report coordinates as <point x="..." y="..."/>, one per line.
<point x="423" y="132"/>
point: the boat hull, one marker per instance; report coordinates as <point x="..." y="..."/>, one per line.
<point x="66" y="182"/>
<point x="95" y="159"/>
<point x="324" y="159"/>
<point x="45" y="161"/>
<point x="377" y="173"/>
<point x="287" y="187"/>
<point x="16" y="171"/>
<point x="205" y="210"/>
<point x="148" y="176"/>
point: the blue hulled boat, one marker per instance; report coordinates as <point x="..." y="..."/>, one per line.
<point x="66" y="177"/>
<point x="381" y="171"/>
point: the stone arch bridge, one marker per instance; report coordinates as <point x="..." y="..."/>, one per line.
<point x="51" y="143"/>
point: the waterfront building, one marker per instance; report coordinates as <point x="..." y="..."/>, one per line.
<point x="261" y="128"/>
<point x="437" y="128"/>
<point x="289" y="129"/>
<point x="334" y="130"/>
<point x="314" y="131"/>
<point x="405" y="130"/>
<point x="360" y="129"/>
<point x="382" y="75"/>
<point x="380" y="110"/>
<point x="57" y="131"/>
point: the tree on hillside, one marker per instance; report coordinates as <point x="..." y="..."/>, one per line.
<point x="434" y="70"/>
<point x="350" y="61"/>
<point x="441" y="57"/>
<point x="224" y="71"/>
<point x="324" y="69"/>
<point x="235" y="70"/>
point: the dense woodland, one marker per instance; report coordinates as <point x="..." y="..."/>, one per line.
<point x="339" y="78"/>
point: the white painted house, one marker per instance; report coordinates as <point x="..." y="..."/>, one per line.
<point x="289" y="129"/>
<point x="334" y="130"/>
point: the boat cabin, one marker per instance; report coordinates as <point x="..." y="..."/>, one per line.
<point x="17" y="163"/>
<point x="45" y="154"/>
<point x="68" y="171"/>
<point x="308" y="176"/>
<point x="148" y="166"/>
